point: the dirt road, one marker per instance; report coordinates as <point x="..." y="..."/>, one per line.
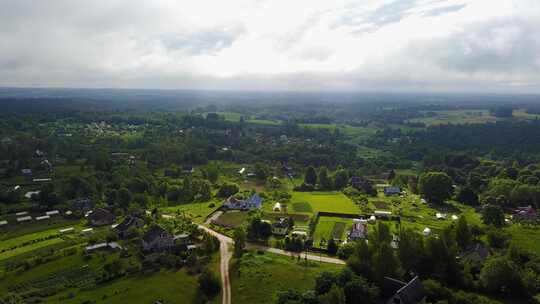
<point x="225" y="257"/>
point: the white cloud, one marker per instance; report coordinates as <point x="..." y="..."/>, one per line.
<point x="272" y="44"/>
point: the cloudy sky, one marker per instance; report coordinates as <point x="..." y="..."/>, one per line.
<point x="435" y="45"/>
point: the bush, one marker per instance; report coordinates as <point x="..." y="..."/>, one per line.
<point x="209" y="284"/>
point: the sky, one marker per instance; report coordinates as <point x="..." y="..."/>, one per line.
<point x="299" y="45"/>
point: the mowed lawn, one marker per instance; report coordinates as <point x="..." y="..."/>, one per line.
<point x="169" y="286"/>
<point x="257" y="278"/>
<point x="24" y="249"/>
<point x="232" y="218"/>
<point x="313" y="202"/>
<point x="331" y="228"/>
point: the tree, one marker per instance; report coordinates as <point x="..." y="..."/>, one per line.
<point x="358" y="288"/>
<point x="324" y="180"/>
<point x="209" y="283"/>
<point x="336" y="295"/>
<point x="227" y="189"/>
<point x="332" y="246"/>
<point x="463" y="233"/>
<point x="125" y="197"/>
<point x="261" y="171"/>
<point x="493" y="215"/>
<point x="500" y="273"/>
<point x="436" y="187"/>
<point x="467" y="196"/>
<point x="212" y="173"/>
<point x="410" y="249"/>
<point x="341" y="179"/>
<point x="385" y="263"/>
<point x="311" y="176"/>
<point x="324" y="281"/>
<point x="239" y="237"/>
<point x="205" y="191"/>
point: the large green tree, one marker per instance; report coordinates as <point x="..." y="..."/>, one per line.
<point x="436" y="187"/>
<point x="311" y="176"/>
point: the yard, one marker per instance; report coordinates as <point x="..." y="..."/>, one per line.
<point x="331" y="228"/>
<point x="232" y="219"/>
<point x="196" y="211"/>
<point x="274" y="273"/>
<point x="313" y="202"/>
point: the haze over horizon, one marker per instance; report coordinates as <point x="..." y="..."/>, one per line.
<point x="342" y="45"/>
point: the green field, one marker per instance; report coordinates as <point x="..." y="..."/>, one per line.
<point x="322" y="201"/>
<point x="232" y="218"/>
<point x="331" y="228"/>
<point x="196" y="211"/>
<point x="258" y="278"/>
<point x="24" y="249"/>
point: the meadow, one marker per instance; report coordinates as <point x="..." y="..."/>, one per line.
<point x="274" y="273"/>
<point x="331" y="228"/>
<point x="313" y="202"/>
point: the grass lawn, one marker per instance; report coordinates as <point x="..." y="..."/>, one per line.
<point x="196" y="211"/>
<point x="322" y="201"/>
<point x="331" y="227"/>
<point x="232" y="218"/>
<point x="527" y="237"/>
<point x="258" y="278"/>
<point x="27" y="229"/>
<point x="20" y="250"/>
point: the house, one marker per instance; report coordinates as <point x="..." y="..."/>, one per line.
<point x="254" y="202"/>
<point x="525" y="214"/>
<point x="277" y="207"/>
<point x="358" y="230"/>
<point x="157" y="239"/>
<point x="405" y="293"/>
<point x="100" y="217"/>
<point x="281" y="227"/>
<point x="124" y="228"/>
<point x="391" y="190"/>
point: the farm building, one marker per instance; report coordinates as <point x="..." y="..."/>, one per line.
<point x="123" y="229"/>
<point x="3" y="223"/>
<point x="43" y="217"/>
<point x="157" y="239"/>
<point x="382" y="214"/>
<point x="24" y="219"/>
<point x="67" y="230"/>
<point x="100" y="217"/>
<point x="277" y="207"/>
<point x="52" y="212"/>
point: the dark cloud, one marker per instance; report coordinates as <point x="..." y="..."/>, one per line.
<point x="444" y="10"/>
<point x="203" y="42"/>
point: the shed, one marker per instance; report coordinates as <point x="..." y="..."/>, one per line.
<point x="52" y="212"/>
<point x="277" y="207"/>
<point x="43" y="217"/>
<point x="24" y="219"/>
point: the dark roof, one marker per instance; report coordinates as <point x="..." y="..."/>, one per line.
<point x="128" y="222"/>
<point x="411" y="293"/>
<point x="101" y="214"/>
<point x="153" y="233"/>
